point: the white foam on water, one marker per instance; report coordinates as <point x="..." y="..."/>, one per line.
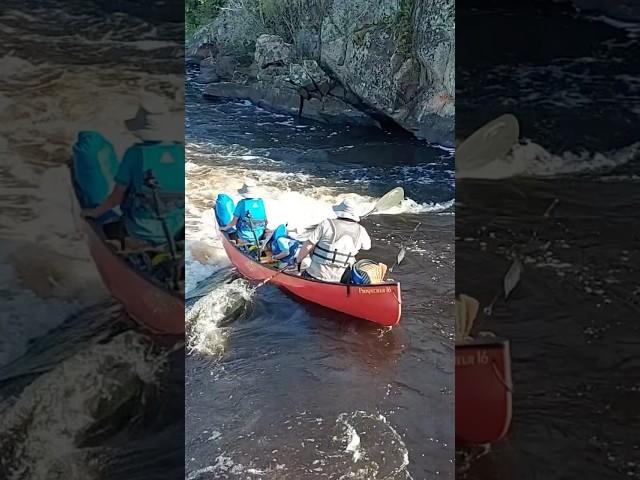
<point x="383" y="455"/>
<point x="47" y="273"/>
<point x="43" y="425"/>
<point x="357" y="446"/>
<point x="632" y="28"/>
<point x="541" y="163"/>
<point x="205" y="335"/>
<point x="353" y="445"/>
<point x="530" y="159"/>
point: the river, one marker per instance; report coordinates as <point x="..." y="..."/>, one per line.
<point x="572" y="79"/>
<point x="276" y="388"/>
<point x="83" y="393"/>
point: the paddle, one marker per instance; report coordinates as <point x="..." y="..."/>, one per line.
<point x="267" y="280"/>
<point x="255" y="237"/>
<point x="151" y="182"/>
<point x="403" y="249"/>
<point x="391" y="199"/>
<point x="492" y="141"/>
<point x="512" y="277"/>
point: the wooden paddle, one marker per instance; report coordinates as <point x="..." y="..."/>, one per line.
<point x="391" y="199"/>
<point x="488" y="143"/>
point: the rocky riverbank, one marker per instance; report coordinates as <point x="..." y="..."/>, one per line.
<point x="337" y="61"/>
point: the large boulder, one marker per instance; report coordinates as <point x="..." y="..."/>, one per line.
<point x="397" y="57"/>
<point x="310" y="77"/>
<point x="272" y="50"/>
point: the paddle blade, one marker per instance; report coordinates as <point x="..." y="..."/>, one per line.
<point x="389" y="200"/>
<point x="401" y="254"/>
<point x="512" y="277"/>
<point x="492" y="141"/>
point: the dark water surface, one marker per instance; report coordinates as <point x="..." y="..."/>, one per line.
<point x="278" y="388"/>
<point x="573" y="83"/>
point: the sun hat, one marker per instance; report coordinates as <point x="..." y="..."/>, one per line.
<point x="154" y="122"/>
<point x="249" y="189"/>
<point x="347" y="209"/>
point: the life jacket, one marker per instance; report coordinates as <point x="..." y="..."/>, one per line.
<point x="281" y="233"/>
<point x="253" y="219"/>
<point x="224" y="208"/>
<point x="94" y="166"/>
<point x="159" y="166"/>
<point x="340" y="250"/>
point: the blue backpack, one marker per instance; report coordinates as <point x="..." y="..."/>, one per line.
<point x="251" y="219"/>
<point x="95" y="165"/>
<point x="224" y="208"/>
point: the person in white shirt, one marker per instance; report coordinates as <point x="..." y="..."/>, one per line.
<point x="334" y="244"/>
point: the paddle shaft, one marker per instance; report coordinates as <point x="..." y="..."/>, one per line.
<point x="152" y="183"/>
<point x="272" y="276"/>
<point x="255" y="237"/>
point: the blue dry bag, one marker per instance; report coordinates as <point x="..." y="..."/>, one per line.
<point x="94" y="166"/>
<point x="224" y="208"/>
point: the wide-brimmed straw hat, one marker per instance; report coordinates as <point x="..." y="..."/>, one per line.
<point x="249" y="189"/>
<point x="154" y="122"/>
<point x="347" y="209"/>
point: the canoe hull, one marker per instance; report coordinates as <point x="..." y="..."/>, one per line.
<point x="148" y="304"/>
<point x="483" y="391"/>
<point x="380" y="304"/>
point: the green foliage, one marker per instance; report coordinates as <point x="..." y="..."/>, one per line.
<point x="283" y="17"/>
<point x="200" y="12"/>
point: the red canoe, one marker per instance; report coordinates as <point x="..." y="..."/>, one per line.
<point x="483" y="390"/>
<point x="148" y="303"/>
<point x="380" y="304"/>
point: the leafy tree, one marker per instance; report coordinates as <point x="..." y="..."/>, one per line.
<point x="200" y="12"/>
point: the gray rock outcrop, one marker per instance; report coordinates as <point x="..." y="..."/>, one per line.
<point x="272" y="51"/>
<point x="391" y="57"/>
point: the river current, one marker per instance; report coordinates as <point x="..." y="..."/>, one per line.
<point x="276" y="388"/>
<point x="572" y="80"/>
